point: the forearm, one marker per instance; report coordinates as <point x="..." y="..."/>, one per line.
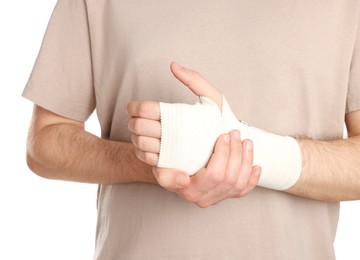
<point x="330" y="171"/>
<point x="67" y="152"/>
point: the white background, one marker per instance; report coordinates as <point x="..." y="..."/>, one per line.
<point x="42" y="219"/>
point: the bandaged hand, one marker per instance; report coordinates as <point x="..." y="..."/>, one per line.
<point x="229" y="173"/>
<point x="189" y="133"/>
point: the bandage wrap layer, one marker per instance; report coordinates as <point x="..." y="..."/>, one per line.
<point x="189" y="133"/>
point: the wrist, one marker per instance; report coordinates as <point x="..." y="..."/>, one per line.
<point x="279" y="156"/>
<point x="137" y="170"/>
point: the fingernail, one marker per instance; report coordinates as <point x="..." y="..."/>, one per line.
<point x="257" y="171"/>
<point x="248" y="146"/>
<point x="181" y="180"/>
<point x="180" y="69"/>
<point x="237" y="135"/>
<point x="226" y="139"/>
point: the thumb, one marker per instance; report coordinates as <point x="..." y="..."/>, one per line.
<point x="196" y="83"/>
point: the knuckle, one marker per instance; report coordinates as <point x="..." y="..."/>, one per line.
<point x="130" y="124"/>
<point x="244" y="193"/>
<point x="137" y="125"/>
<point x="216" y="177"/>
<point x="141" y="143"/>
<point x="130" y="108"/>
<point x="203" y="204"/>
<point x="139" y="154"/>
<point x="240" y="187"/>
<point x="189" y="197"/>
<point x="239" y="195"/>
<point x="194" y="76"/>
<point x="134" y="140"/>
<point x="149" y="158"/>
<point x="231" y="181"/>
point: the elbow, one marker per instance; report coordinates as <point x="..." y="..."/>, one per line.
<point x="35" y="156"/>
<point x="35" y="166"/>
<point x="31" y="163"/>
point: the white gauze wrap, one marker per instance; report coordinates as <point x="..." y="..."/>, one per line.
<point x="189" y="133"/>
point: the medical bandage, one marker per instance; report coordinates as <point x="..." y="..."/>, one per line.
<point x="189" y="133"/>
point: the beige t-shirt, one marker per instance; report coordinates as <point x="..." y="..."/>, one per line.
<point x="290" y="67"/>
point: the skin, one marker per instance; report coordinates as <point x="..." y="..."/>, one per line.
<point x="330" y="172"/>
<point x="60" y="148"/>
<point x="229" y="173"/>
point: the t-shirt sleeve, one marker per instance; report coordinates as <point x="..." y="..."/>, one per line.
<point x="353" y="95"/>
<point x="61" y="80"/>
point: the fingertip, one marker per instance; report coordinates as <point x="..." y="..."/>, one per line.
<point x="174" y="66"/>
<point x="226" y="138"/>
<point x="179" y="72"/>
<point x="236" y="134"/>
<point x="248" y="145"/>
<point x="254" y="177"/>
<point x="222" y="144"/>
<point x="257" y="171"/>
<point x="129" y="108"/>
<point x="196" y="83"/>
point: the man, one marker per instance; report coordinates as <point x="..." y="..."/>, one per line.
<point x="290" y="68"/>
